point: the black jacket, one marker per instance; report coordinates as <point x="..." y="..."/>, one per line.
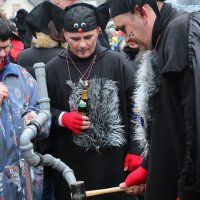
<point x="44" y="52"/>
<point x="97" y="155"/>
<point x="173" y="130"/>
<point x="194" y="60"/>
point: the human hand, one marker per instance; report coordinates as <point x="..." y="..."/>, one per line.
<point x="132" y="161"/>
<point x="137" y="177"/>
<point x="136" y="190"/>
<point x="30" y="116"/>
<point x="75" y="121"/>
<point x="3" y="92"/>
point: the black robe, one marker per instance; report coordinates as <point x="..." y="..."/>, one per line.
<point x="97" y="156"/>
<point x="174" y="111"/>
<point x="28" y="57"/>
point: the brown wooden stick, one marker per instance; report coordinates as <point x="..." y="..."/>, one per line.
<point x="106" y="191"/>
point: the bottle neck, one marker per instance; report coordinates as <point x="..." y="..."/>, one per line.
<point x="84" y="95"/>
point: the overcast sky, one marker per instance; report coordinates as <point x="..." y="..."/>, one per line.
<point x="186" y="2"/>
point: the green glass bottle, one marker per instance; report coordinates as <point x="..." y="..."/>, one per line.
<point x="82" y="108"/>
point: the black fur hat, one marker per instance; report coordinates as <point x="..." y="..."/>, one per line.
<point x="80" y="17"/>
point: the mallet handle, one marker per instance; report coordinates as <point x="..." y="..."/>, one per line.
<point x="106" y="191"/>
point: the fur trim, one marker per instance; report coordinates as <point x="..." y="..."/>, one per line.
<point x="44" y="41"/>
<point x="74" y="98"/>
<point x="64" y="45"/>
<point x="145" y="87"/>
<point x="106" y="128"/>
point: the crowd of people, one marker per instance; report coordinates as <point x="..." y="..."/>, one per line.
<point x="141" y="86"/>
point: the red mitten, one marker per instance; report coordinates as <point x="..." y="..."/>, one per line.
<point x="73" y="121"/>
<point x="132" y="162"/>
<point x="137" y="177"/>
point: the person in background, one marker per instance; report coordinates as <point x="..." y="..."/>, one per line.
<point x="3" y="13"/>
<point x="167" y="97"/>
<point x="46" y="42"/>
<point x="18" y="45"/>
<point x="23" y="32"/>
<point x="19" y="20"/>
<point x="96" y="146"/>
<point x="18" y="98"/>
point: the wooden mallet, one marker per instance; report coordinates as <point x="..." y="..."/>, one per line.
<point x="91" y="193"/>
<point x="79" y="193"/>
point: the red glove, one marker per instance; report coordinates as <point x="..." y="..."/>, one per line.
<point x="137" y="177"/>
<point x="132" y="162"/>
<point x="73" y="121"/>
<point x="178" y="198"/>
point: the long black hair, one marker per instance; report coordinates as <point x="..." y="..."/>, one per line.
<point x="5" y="29"/>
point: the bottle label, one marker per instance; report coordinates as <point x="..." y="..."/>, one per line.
<point x="82" y="107"/>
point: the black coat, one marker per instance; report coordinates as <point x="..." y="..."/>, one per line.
<point x="194" y="59"/>
<point x="28" y="57"/>
<point x="97" y="156"/>
<point x="174" y="137"/>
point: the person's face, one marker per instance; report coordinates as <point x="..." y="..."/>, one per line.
<point x="64" y="3"/>
<point x="82" y="44"/>
<point x="5" y="47"/>
<point x="136" y="28"/>
<point x="3" y="14"/>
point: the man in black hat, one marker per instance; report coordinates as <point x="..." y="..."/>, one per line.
<point x="21" y="25"/>
<point x="102" y="38"/>
<point x="167" y="96"/>
<point x="94" y="146"/>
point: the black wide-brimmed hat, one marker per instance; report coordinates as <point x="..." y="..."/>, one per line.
<point x="20" y="19"/>
<point x="39" y="17"/>
<point x="103" y="14"/>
